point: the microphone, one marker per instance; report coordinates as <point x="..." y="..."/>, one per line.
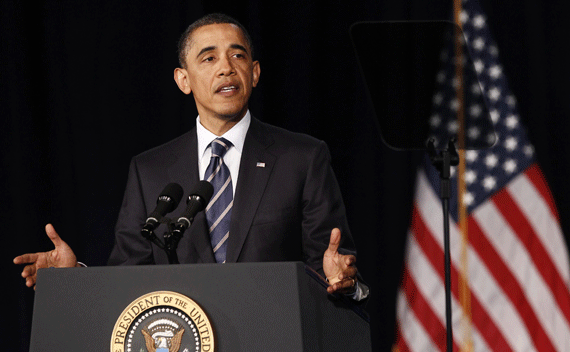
<point x="197" y="201"/>
<point x="167" y="201"/>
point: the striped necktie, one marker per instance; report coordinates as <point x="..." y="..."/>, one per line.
<point x="219" y="210"/>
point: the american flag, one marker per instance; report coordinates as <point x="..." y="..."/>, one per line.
<point x="516" y="269"/>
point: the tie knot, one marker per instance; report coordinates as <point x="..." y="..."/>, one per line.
<point x="220" y="146"/>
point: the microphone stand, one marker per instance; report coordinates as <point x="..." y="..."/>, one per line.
<point x="170" y="243"/>
<point x="151" y="236"/>
<point x="442" y="162"/>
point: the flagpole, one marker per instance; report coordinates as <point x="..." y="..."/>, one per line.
<point x="463" y="277"/>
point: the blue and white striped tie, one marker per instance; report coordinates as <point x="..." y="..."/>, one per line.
<point x="219" y="210"/>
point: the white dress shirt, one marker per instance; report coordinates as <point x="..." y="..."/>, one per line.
<point x="232" y="158"/>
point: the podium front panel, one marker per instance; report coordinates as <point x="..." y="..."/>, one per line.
<point x="251" y="306"/>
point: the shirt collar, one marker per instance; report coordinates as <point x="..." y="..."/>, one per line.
<point x="236" y="134"/>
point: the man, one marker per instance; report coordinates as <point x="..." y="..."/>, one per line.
<point x="279" y="199"/>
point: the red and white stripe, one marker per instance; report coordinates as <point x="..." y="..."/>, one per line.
<point x="518" y="273"/>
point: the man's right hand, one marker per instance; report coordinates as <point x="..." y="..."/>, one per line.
<point x="60" y="257"/>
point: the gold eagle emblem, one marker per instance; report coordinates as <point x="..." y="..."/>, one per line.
<point x="163" y="335"/>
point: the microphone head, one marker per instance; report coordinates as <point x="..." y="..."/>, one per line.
<point x="172" y="194"/>
<point x="202" y="192"/>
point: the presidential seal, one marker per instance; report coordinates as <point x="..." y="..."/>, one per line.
<point x="163" y="321"/>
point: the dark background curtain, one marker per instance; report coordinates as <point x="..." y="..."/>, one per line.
<point x="86" y="85"/>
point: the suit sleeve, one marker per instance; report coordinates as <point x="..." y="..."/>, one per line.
<point x="131" y="248"/>
<point x="323" y="210"/>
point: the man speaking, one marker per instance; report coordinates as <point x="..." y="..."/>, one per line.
<point x="275" y="195"/>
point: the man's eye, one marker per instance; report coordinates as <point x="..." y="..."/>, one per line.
<point x="208" y="58"/>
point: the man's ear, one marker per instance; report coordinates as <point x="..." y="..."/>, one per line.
<point x="181" y="79"/>
<point x="256" y="72"/>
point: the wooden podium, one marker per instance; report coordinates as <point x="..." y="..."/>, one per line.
<point x="269" y="307"/>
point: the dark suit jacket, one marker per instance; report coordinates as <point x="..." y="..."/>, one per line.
<point x="284" y="211"/>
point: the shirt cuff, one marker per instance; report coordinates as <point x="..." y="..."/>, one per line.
<point x="361" y="291"/>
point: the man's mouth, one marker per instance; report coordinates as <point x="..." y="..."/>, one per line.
<point x="227" y="89"/>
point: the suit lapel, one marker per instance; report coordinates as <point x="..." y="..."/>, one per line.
<point x="255" y="168"/>
<point x="185" y="169"/>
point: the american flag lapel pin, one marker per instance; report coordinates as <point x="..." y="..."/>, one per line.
<point x="260" y="164"/>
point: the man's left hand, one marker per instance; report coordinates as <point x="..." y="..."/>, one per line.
<point x="339" y="269"/>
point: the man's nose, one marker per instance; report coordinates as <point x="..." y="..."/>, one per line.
<point x="226" y="67"/>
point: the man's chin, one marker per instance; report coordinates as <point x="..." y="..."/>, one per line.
<point x="232" y="115"/>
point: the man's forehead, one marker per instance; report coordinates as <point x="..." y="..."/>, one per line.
<point x="216" y="36"/>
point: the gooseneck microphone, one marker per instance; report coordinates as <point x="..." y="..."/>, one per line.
<point x="197" y="201"/>
<point x="167" y="201"/>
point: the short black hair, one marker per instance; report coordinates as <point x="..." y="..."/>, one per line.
<point x="213" y="18"/>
